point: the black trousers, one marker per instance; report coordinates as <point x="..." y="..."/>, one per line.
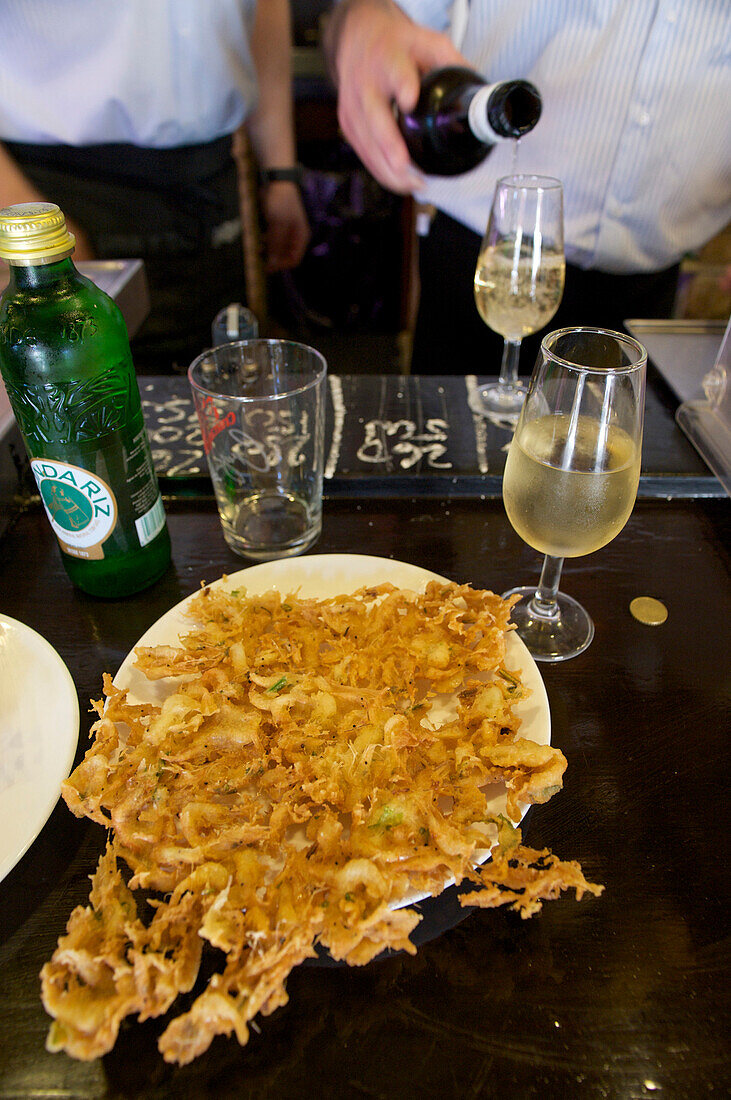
<point x="176" y="209"/>
<point x="450" y="336"/>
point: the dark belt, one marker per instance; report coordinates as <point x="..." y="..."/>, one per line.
<point x="135" y="201"/>
<point x="176" y="209"/>
<point x="122" y="161"/>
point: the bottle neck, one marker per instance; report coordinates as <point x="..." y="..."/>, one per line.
<point x="478" y="115"/>
<point x="38" y="276"/>
<point x="504" y="111"/>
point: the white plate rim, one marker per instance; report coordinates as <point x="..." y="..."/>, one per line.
<point x="65" y="739"/>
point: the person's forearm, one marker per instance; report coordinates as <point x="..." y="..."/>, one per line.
<point x="271" y="124"/>
<point x="271" y="132"/>
<point x="15" y="187"/>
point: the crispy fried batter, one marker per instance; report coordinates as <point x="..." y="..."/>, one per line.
<point x="292" y="790"/>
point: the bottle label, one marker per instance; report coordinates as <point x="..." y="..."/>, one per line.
<point x="151" y="523"/>
<point x="83" y="508"/>
<point x="80" y="506"/>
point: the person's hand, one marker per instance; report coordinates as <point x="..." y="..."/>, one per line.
<point x="378" y="56"/>
<point x="16" y="187"/>
<point x="287" y="228"/>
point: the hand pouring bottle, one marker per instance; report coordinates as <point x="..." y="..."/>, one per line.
<point x="459" y="117"/>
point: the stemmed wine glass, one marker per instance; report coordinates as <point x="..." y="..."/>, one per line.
<point x="519" y="277"/>
<point x="572" y="472"/>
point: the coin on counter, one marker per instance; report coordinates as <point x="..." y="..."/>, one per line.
<point x="649" y="611"/>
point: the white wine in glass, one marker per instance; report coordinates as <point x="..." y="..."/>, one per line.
<point x="519" y="278"/>
<point x="572" y="471"/>
<point x="590" y="502"/>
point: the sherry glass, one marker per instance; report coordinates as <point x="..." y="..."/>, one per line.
<point x="519" y="277"/>
<point x="572" y="472"/>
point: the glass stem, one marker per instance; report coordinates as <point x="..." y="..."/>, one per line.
<point x="544" y="604"/>
<point x="509" y="364"/>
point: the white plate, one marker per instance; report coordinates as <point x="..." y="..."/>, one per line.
<point x="320" y="576"/>
<point x="39" y="731"/>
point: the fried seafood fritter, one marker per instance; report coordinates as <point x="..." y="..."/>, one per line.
<point x="294" y="789"/>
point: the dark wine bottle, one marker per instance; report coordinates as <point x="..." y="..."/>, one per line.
<point x="459" y="117"/>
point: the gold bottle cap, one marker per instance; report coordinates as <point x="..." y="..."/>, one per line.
<point x="34" y="233"/>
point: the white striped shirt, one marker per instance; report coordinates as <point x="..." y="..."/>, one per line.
<point x="636" y="119"/>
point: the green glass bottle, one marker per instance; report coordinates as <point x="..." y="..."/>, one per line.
<point x="67" y="367"/>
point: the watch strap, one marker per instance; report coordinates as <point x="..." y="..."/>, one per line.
<point x="287" y="175"/>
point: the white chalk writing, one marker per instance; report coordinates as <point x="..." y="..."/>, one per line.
<point x="399" y="439"/>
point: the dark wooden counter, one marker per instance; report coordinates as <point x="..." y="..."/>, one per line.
<point x="622" y="996"/>
<point x="390" y="435"/>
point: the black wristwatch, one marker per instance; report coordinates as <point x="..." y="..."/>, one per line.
<point x="288" y="175"/>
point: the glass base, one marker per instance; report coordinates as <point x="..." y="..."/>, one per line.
<point x="551" y="637"/>
<point x="269" y="524"/>
<point x="503" y="399"/>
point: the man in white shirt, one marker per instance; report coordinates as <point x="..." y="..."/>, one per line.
<point x="123" y="114"/>
<point x="636" y="123"/>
